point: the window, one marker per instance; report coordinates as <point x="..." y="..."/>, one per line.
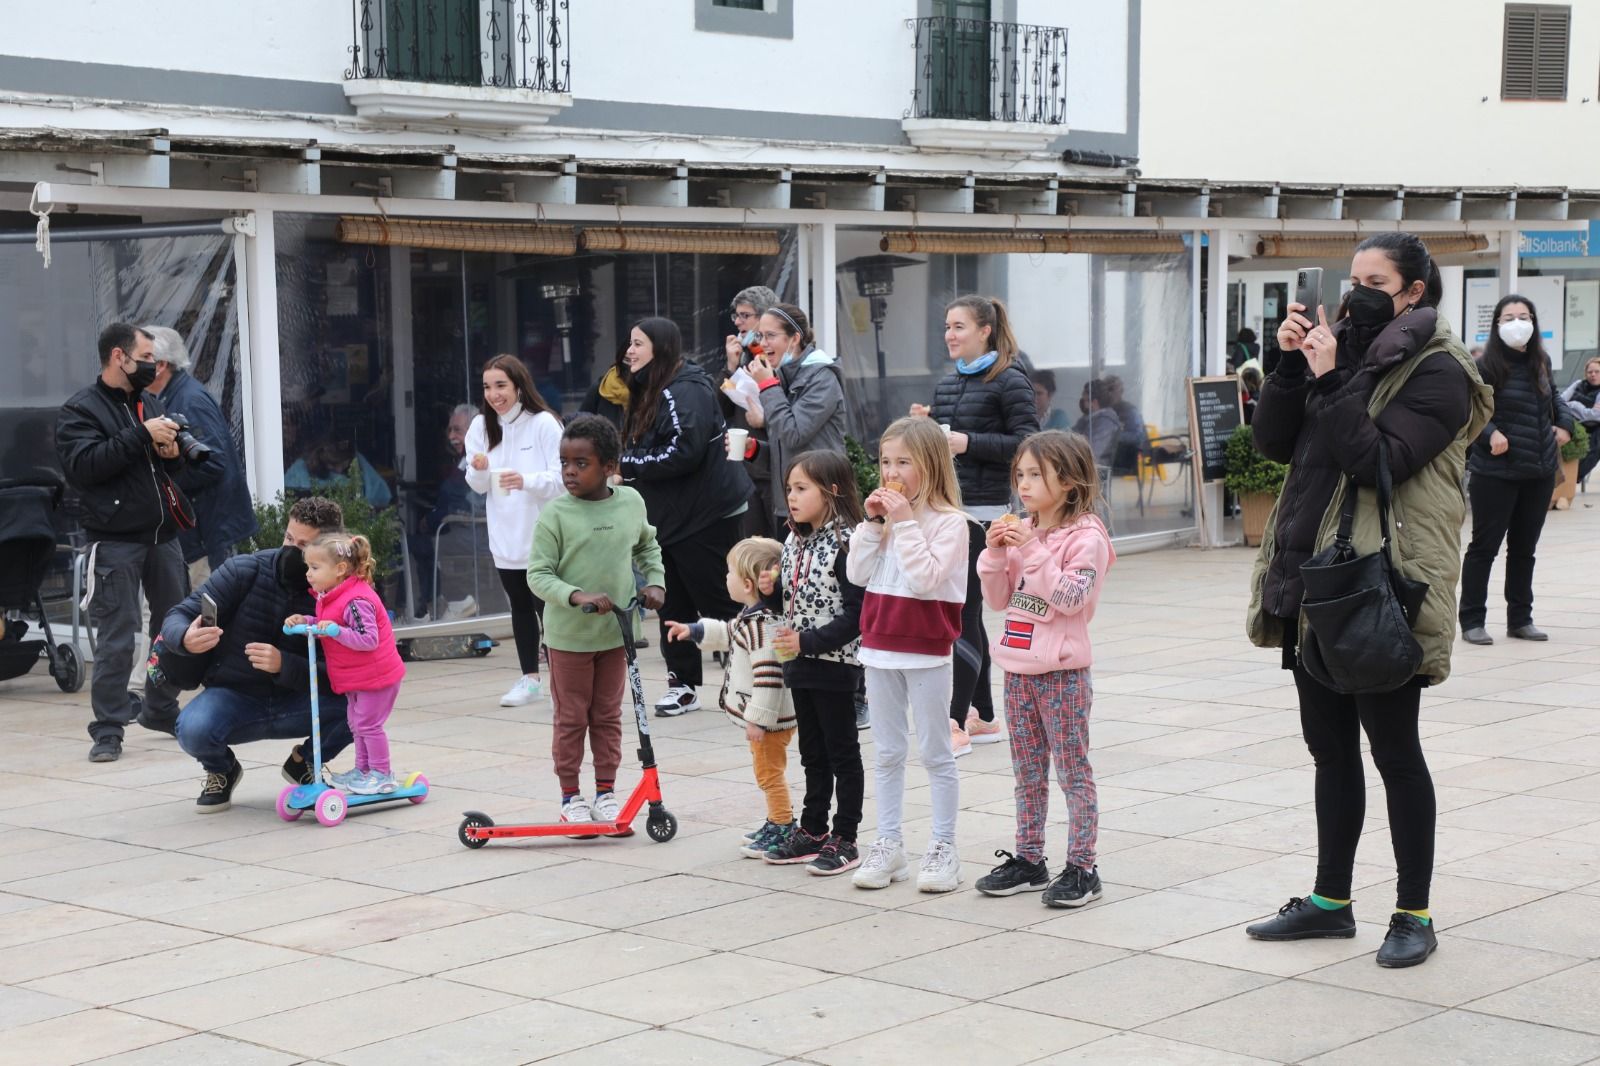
<point x="1534" y="65"/>
<point x="741" y="5"/>
<point x="750" y="18"/>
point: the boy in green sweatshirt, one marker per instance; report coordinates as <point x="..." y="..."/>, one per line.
<point x="584" y="552"/>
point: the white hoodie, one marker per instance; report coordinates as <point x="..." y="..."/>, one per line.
<point x="530" y="444"/>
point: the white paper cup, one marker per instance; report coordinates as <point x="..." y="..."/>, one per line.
<point x="946" y="427"/>
<point x="494" y="480"/>
<point x="738" y="440"/>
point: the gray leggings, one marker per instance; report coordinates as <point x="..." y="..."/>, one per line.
<point x="927" y="694"/>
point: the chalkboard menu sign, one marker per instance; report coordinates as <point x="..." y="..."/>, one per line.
<point x="1214" y="413"/>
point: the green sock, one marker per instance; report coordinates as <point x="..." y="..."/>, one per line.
<point x="1329" y="904"/>
<point x="1422" y="916"/>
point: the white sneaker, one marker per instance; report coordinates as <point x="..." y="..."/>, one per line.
<point x="606" y="808"/>
<point x="885" y="861"/>
<point x="374" y="783"/>
<point x="346" y="779"/>
<point x="577" y="809"/>
<point x="523" y="692"/>
<point x="941" y="868"/>
<point x="465" y="607"/>
<point x="679" y="699"/>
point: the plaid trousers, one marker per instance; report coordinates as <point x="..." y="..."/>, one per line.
<point x="1047" y="716"/>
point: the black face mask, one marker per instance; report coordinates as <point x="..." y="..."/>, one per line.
<point x="1369" y="307"/>
<point x="291" y="569"/>
<point x="141" y="376"/>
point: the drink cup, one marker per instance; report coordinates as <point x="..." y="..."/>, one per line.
<point x="780" y="654"/>
<point x="946" y="427"/>
<point x="494" y="480"/>
<point x="738" y="440"/>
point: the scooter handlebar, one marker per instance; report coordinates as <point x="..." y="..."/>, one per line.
<point x="631" y="605"/>
<point x="321" y="629"/>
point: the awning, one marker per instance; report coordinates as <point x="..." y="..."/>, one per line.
<point x="1030" y="243"/>
<point x="530" y="239"/>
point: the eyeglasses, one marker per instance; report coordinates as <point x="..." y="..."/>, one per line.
<point x="772" y="339"/>
<point x="740" y="316"/>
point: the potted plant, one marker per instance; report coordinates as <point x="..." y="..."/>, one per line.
<point x="1572" y="451"/>
<point x="1254" y="479"/>
<point x="864" y="465"/>
<point x="381" y="528"/>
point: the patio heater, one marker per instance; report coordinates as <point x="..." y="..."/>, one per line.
<point x="875" y="280"/>
<point x="561" y="294"/>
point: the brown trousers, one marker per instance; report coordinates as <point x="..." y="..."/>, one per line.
<point x="586" y="688"/>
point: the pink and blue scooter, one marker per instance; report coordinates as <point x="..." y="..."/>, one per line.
<point x="332" y="804"/>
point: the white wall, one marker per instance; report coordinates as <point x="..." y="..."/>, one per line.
<point x="1097" y="59"/>
<point x="1362" y="91"/>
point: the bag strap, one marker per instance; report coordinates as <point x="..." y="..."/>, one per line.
<point x="1385" y="490"/>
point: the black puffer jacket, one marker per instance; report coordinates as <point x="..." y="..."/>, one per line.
<point x="251" y="607"/>
<point x="1526" y="418"/>
<point x="1320" y="427"/>
<point x="995" y="415"/>
<point x="680" y="466"/>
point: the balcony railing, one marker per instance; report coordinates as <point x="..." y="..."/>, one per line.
<point x="499" y="44"/>
<point x="985" y="71"/>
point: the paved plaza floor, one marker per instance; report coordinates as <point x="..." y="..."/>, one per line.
<point x="133" y="931"/>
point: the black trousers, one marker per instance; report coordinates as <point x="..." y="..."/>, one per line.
<point x="1332" y="724"/>
<point x="121" y="568"/>
<point x="1513" y="512"/>
<point x="969" y="687"/>
<point x="697" y="587"/>
<point x="527" y="610"/>
<point x="830" y="753"/>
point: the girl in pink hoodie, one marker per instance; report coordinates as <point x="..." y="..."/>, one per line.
<point x="1045" y="573"/>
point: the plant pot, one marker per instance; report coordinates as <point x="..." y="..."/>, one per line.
<point x="1254" y="509"/>
<point x="1567" y="487"/>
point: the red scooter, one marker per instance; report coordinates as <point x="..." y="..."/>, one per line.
<point x="477" y="828"/>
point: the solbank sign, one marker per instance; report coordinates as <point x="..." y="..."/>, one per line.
<point x="1558" y="244"/>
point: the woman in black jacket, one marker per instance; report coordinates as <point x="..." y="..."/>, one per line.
<point x="673" y="453"/>
<point x="987" y="405"/>
<point x="1514" y="464"/>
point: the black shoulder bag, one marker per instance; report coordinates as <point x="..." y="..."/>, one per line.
<point x="1359" y="609"/>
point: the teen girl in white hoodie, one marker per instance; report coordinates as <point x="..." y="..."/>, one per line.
<point x="514" y="456"/>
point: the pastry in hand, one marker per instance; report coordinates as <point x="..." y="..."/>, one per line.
<point x="895" y="486"/>
<point x="1009" y="519"/>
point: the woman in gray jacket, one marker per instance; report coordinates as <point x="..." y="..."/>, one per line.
<point x="802" y="397"/>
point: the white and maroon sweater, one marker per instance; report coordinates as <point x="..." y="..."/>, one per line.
<point x="915" y="575"/>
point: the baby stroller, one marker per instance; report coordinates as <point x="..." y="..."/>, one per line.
<point x="27" y="546"/>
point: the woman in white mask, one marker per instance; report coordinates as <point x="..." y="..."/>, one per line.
<point x="1514" y="463"/>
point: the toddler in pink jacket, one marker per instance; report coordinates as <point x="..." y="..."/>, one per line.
<point x="1045" y="573"/>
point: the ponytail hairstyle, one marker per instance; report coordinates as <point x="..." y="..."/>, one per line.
<point x="1410" y="257"/>
<point x="527" y="395"/>
<point x="929" y="449"/>
<point x="832" y="473"/>
<point x="1067" y="459"/>
<point x="351" y="549"/>
<point x="1499" y="360"/>
<point x="646" y="386"/>
<point x="794" y="323"/>
<point x="989" y="311"/>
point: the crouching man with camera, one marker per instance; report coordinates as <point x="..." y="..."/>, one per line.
<point x="120" y="454"/>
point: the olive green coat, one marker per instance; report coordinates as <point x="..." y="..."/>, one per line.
<point x="1429" y="508"/>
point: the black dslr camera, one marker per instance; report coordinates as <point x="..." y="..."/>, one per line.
<point x="189" y="446"/>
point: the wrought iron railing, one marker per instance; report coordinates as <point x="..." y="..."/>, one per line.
<point x="989" y="71"/>
<point x="507" y="44"/>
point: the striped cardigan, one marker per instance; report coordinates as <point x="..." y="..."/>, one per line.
<point x="752" y="686"/>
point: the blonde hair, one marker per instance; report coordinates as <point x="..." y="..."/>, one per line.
<point x="350" y="548"/>
<point x="989" y="311"/>
<point x="929" y="449"/>
<point x="1068" y="458"/>
<point x="753" y="555"/>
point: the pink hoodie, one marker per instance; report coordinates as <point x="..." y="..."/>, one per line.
<point x="1048" y="589"/>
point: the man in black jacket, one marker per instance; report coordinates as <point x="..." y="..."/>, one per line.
<point x="120" y="453"/>
<point x="256" y="678"/>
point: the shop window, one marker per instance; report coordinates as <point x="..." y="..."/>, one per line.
<point x="1534" y="63"/>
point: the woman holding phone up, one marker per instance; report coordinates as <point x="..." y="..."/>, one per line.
<point x="1388" y="370"/>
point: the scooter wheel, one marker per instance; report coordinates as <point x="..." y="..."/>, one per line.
<point x="417" y="781"/>
<point x="661" y="829"/>
<point x="286" y="812"/>
<point x="331" y="807"/>
<point x="474" y="820"/>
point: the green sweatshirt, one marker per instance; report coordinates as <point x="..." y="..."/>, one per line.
<point x="587" y="546"/>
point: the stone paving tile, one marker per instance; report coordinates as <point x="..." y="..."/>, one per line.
<point x="237" y="938"/>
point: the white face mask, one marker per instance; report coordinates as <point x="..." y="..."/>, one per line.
<point x="1517" y="332"/>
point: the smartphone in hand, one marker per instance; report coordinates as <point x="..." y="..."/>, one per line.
<point x="1308" y="291"/>
<point x="208" y="610"/>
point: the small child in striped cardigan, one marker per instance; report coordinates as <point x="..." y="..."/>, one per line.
<point x="752" y="688"/>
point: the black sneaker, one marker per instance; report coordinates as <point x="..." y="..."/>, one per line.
<point x="770" y="835"/>
<point x="836" y="856"/>
<point x="1013" y="876"/>
<point x="106" y="749"/>
<point x="1408" y="942"/>
<point x="217" y="793"/>
<point x="298" y="770"/>
<point x="796" y="846"/>
<point x="1301" y="919"/>
<point x="1073" y="887"/>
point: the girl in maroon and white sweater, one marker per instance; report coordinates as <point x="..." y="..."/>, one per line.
<point x="911" y="557"/>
